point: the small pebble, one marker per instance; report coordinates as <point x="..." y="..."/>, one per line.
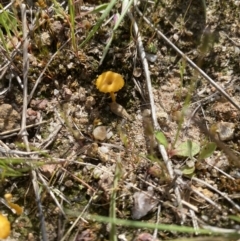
<point x="100" y="133"/>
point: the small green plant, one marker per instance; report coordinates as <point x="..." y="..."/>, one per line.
<point x="207" y="150"/>
<point x="152" y="48"/>
<point x="187" y="149"/>
<point x="16" y="167"/>
<point x="150" y="226"/>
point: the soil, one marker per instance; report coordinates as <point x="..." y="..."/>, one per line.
<point x="76" y="167"/>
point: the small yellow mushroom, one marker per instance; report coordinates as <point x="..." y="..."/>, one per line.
<point x="4" y="227"/>
<point x="110" y="82"/>
<point x="15" y="207"/>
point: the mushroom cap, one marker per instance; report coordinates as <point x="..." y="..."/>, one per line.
<point x="4" y="227"/>
<point x="109" y="82"/>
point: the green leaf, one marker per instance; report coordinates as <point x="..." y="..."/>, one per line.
<point x="207" y="150"/>
<point x="186" y="170"/>
<point x="161" y="138"/>
<point x="99" y="8"/>
<point x="187" y="149"/>
<point x="235" y="218"/>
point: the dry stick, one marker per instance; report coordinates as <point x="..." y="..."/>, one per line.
<point x="45" y="184"/>
<point x="8" y="151"/>
<point x="51" y="138"/>
<point x="18" y="129"/>
<point x="194" y="221"/>
<point x="219" y="170"/>
<point x="211" y="81"/>
<point x="161" y="148"/>
<point x="23" y="131"/>
<point x="40" y="210"/>
<point x="155" y="233"/>
<point x="6" y="7"/>
<point x="236" y="206"/>
<point x="139" y="89"/>
<point x="201" y="195"/>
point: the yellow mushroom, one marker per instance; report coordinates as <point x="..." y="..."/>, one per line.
<point x="4" y="227"/>
<point x="110" y="82"/>
<point x="15" y="207"/>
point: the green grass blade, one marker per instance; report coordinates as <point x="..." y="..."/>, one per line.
<point x="99" y="8"/>
<point x="72" y="25"/>
<point x="99" y="23"/>
<point x="119" y="20"/>
<point x="146" y="225"/>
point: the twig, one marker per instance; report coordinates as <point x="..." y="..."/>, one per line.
<point x="221" y="171"/>
<point x="52" y="194"/>
<point x="139" y="89"/>
<point x="53" y="135"/>
<point x="194" y="221"/>
<point x="156" y="230"/>
<point x="206" y="198"/>
<point x="8" y="151"/>
<point x="40" y="210"/>
<point x="190" y="206"/>
<point x="156" y="126"/>
<point x="146" y="71"/>
<point x="236" y="206"/>
<point x="224" y="231"/>
<point x="6" y="7"/>
<point x="50" y="138"/>
<point x="18" y="129"/>
<point x="23" y="131"/>
<point x="184" y="56"/>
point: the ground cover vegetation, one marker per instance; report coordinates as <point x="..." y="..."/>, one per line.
<point x="119" y="120"/>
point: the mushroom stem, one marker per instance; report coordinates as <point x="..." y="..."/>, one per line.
<point x="113" y="96"/>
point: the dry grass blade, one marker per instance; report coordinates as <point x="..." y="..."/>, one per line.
<point x="224" y="195"/>
<point x="78" y="218"/>
<point x="40" y="210"/>
<point x="52" y="193"/>
<point x="4" y="133"/>
<point x="207" y="199"/>
<point x="23" y="131"/>
<point x="184" y="56"/>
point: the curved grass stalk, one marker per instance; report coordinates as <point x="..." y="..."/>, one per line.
<point x="125" y="7"/>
